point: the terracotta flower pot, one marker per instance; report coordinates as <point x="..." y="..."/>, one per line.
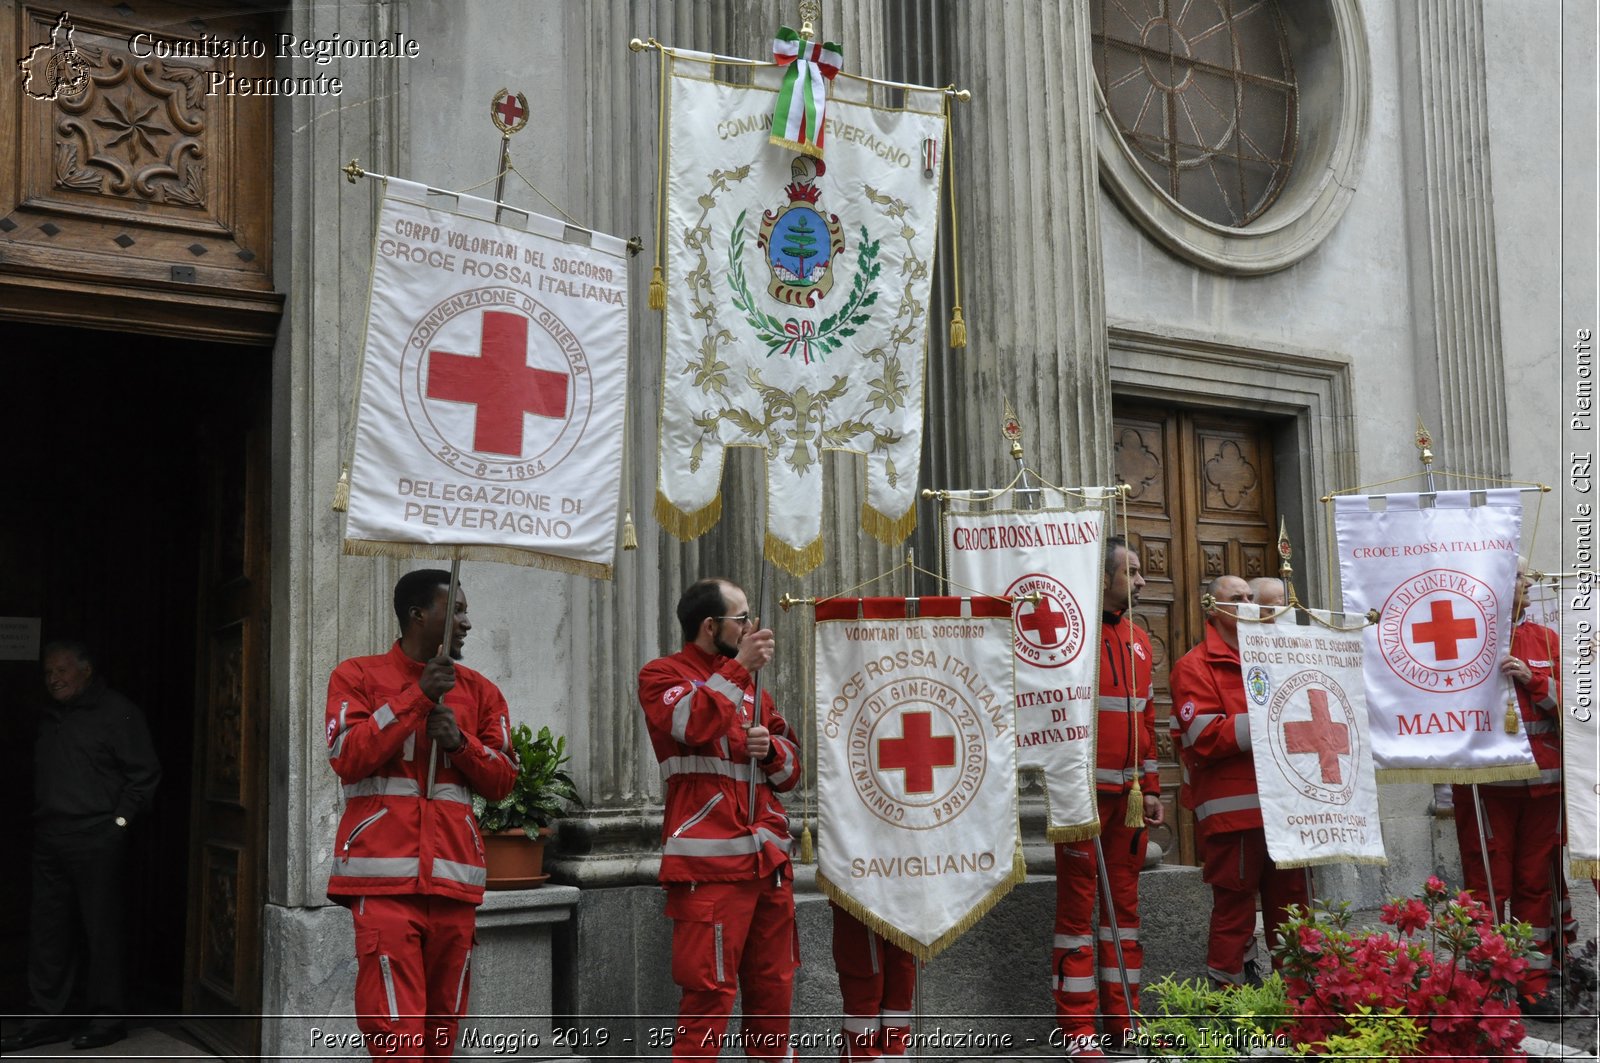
<point x="514" y="860"/>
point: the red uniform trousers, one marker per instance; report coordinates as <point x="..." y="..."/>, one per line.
<point x="732" y="937"/>
<point x="1083" y="986"/>
<point x="878" y="981"/>
<point x="413" y="972"/>
<point x="1524" y="835"/>
<point x="1237" y="868"/>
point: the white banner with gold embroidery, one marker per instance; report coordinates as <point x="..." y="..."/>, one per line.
<point x="1056" y="553"/>
<point x="797" y="299"/>
<point x="1440" y="570"/>
<point x="492" y="390"/>
<point x="916" y="764"/>
<point x="1308" y="733"/>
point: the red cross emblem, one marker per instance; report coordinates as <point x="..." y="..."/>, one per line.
<point x="1320" y="736"/>
<point x="1044" y="620"/>
<point x="1443" y="630"/>
<point x="509" y="111"/>
<point x="917" y="752"/>
<point x="499" y="382"/>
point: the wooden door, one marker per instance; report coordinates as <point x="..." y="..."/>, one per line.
<point x="1201" y="506"/>
<point x="222" y="976"/>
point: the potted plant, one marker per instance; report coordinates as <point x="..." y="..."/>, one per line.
<point x="515" y="827"/>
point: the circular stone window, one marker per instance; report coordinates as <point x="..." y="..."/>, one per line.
<point x="1232" y="130"/>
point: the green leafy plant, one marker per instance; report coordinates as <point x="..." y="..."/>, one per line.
<point x="543" y="790"/>
<point x="1386" y="1034"/>
<point x="1198" y="1021"/>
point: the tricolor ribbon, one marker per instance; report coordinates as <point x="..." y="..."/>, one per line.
<point x="803" y="98"/>
<point x="799" y="332"/>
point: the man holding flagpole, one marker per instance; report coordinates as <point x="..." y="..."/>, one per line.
<point x="411" y="735"/>
<point x="724" y="857"/>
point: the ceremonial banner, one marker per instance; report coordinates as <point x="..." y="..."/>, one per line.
<point x="1057" y="553"/>
<point x="796" y="306"/>
<point x="492" y="389"/>
<point x="916" y="764"/>
<point x="1572" y="613"/>
<point x="1308" y="736"/>
<point x="1441" y="577"/>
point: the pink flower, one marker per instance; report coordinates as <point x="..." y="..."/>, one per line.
<point x="1434" y="888"/>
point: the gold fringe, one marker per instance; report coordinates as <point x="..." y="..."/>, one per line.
<point x="1585" y="868"/>
<point x="341" y="490"/>
<point x="1133" y="815"/>
<point x="658" y="288"/>
<point x="911" y="944"/>
<point x="796" y="562"/>
<point x="1072" y="832"/>
<point x="450" y="552"/>
<point x="1513" y="721"/>
<point x="958" y="328"/>
<point x="890" y="531"/>
<point x="687" y="526"/>
<point x="630" y="537"/>
<point x="808" y="849"/>
<point x="794" y="145"/>
<point x="1499" y="773"/>
<point x="1325" y="861"/>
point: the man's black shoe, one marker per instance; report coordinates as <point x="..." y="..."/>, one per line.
<point x="99" y="1037"/>
<point x="36" y="1032"/>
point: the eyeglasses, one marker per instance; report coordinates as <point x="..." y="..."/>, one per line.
<point x="742" y="618"/>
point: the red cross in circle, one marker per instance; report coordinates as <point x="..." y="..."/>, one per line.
<point x="1044" y="620"/>
<point x="1320" y="736"/>
<point x="499" y="382"/>
<point x="509" y="109"/>
<point x="918" y="752"/>
<point x="1444" y="630"/>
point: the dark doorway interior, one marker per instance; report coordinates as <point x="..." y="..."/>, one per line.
<point x="114" y="443"/>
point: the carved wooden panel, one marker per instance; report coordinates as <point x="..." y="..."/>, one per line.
<point x="1140" y="454"/>
<point x="225" y="737"/>
<point x="219" y="905"/>
<point x="135" y="197"/>
<point x="1232" y="485"/>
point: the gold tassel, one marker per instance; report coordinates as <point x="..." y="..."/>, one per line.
<point x="808" y="851"/>
<point x="630" y="537"/>
<point x="958" y="328"/>
<point x="1134" y="817"/>
<point x="658" y="289"/>
<point x="1513" y="721"/>
<point x="341" y="490"/>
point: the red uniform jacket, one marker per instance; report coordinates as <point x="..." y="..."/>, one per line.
<point x="1125" y="671"/>
<point x="1540" y="704"/>
<point x="697" y="706"/>
<point x="391" y="838"/>
<point x="1211" y="730"/>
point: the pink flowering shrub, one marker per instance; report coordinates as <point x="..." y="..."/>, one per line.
<point x="1447" y="965"/>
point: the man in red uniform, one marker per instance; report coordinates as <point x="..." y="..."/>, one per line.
<point x="1211" y="728"/>
<point x="878" y="982"/>
<point x="411" y="735"/>
<point x="724" y="857"/>
<point x="1522" y="819"/>
<point x="1086" y="979"/>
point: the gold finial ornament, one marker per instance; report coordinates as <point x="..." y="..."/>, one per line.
<point x="509" y="111"/>
<point x="1424" y="441"/>
<point x="810" y="15"/>
<point x="636" y="45"/>
<point x="353" y="171"/>
<point x="1011" y="428"/>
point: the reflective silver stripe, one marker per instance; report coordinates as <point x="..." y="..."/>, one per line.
<point x="1119" y="703"/>
<point x="722" y="744"/>
<point x="1227" y="804"/>
<point x="680" y="715"/>
<point x="1541" y="933"/>
<point x="896" y="1018"/>
<point x="1225" y="977"/>
<point x="743" y="845"/>
<point x="1540" y="727"/>
<point x="1073" y="941"/>
<point x="1196" y="725"/>
<point x="788" y="768"/>
<point x="698" y="816"/>
<point x="384" y="716"/>
<point x="704" y="766"/>
<point x="377" y="867"/>
<point x="388" y="988"/>
<point x="855" y="1025"/>
<point x="338" y="743"/>
<point x="461" y="983"/>
<point x="1124" y="933"/>
<point x="1114" y="775"/>
<point x="1539" y="961"/>
<point x="1077" y="985"/>
<point x="505" y="737"/>
<point x="381" y="786"/>
<point x="872" y="948"/>
<point x="1241" y="730"/>
<point x="1546" y="702"/>
<point x="1151" y="767"/>
<point x="409" y="750"/>
<point x="470" y="874"/>
<point x="450" y="791"/>
<point x="725" y="686"/>
<point x="717" y="931"/>
<point x="1112" y="975"/>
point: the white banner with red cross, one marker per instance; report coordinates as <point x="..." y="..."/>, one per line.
<point x="1309" y="738"/>
<point x="916" y="764"/>
<point x="493" y="387"/>
<point x="1441" y="571"/>
<point x="1056" y="553"/>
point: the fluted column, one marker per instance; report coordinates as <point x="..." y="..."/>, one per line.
<point x="1455" y="284"/>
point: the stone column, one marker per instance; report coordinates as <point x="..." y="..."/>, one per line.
<point x="1449" y="203"/>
